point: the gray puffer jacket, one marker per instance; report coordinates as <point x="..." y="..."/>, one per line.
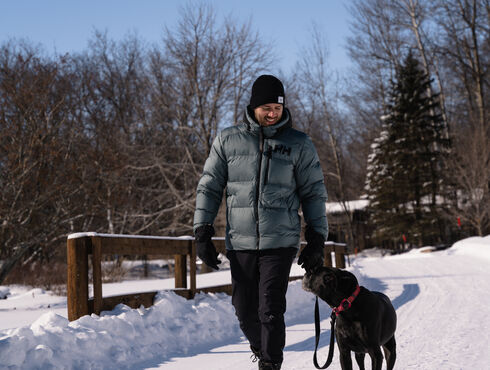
<point x="267" y="172"/>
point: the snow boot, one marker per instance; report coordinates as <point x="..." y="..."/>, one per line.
<point x="263" y="365"/>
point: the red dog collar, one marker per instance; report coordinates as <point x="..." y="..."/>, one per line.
<point x="347" y="302"/>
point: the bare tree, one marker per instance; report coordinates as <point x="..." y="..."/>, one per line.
<point x="413" y="17"/>
<point x="376" y="46"/>
<point x="464" y="49"/>
<point x="470" y="173"/>
<point x="114" y="104"/>
<point x="211" y="66"/>
<point x="316" y="108"/>
<point x="35" y="109"/>
<point x="113" y="139"/>
<point x="452" y="43"/>
<point x="466" y="31"/>
<point x="197" y="84"/>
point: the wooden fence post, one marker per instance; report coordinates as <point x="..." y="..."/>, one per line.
<point x="192" y="267"/>
<point x="340" y="257"/>
<point x="97" y="273"/>
<point x="180" y="271"/>
<point x="327" y="250"/>
<point x="77" y="277"/>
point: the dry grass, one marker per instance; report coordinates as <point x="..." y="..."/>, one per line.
<point x="48" y="276"/>
<point x="113" y="271"/>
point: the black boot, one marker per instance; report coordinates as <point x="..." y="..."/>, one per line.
<point x="264" y="365"/>
<point x="256" y="355"/>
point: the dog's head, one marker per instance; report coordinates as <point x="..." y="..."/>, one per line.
<point x="330" y="284"/>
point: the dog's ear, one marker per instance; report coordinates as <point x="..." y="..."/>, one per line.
<point x="349" y="279"/>
<point x="346" y="275"/>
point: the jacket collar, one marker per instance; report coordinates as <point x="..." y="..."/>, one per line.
<point x="268" y="131"/>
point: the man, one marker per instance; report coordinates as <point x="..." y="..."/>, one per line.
<point x="268" y="169"/>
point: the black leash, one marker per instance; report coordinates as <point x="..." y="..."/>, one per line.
<point x="317" y="337"/>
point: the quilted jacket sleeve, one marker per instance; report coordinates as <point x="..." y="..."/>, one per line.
<point x="311" y="188"/>
<point x="211" y="185"/>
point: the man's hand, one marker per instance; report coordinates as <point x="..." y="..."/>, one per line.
<point x="311" y="257"/>
<point x="205" y="248"/>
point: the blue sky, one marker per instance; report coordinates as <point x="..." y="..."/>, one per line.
<point x="67" y="25"/>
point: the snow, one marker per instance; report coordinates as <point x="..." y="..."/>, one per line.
<point x="474" y="246"/>
<point x="4" y="292"/>
<point x="24" y="305"/>
<point x="440" y="297"/>
<point x="92" y="234"/>
<point x="353" y="205"/>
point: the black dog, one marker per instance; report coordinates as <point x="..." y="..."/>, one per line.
<point x="365" y="321"/>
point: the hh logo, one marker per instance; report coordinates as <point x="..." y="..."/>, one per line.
<point x="279" y="148"/>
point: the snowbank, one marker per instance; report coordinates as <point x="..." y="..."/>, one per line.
<point x="122" y="337"/>
<point x="475" y="246"/>
<point x="125" y="337"/>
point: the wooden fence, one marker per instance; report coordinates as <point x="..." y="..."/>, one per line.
<point x="85" y="247"/>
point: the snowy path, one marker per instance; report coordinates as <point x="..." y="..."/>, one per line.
<point x="442" y="304"/>
<point x="441" y="299"/>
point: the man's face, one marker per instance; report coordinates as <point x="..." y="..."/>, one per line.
<point x="268" y="114"/>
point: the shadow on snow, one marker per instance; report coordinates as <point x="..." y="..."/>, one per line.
<point x="409" y="293"/>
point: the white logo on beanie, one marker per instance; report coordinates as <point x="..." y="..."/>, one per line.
<point x="280" y="99"/>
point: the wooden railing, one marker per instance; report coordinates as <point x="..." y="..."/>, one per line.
<point x="81" y="247"/>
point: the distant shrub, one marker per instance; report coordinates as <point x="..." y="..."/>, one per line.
<point x="48" y="276"/>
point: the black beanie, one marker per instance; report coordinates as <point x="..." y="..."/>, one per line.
<point x="267" y="89"/>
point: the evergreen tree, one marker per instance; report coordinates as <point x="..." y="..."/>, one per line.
<point x="405" y="168"/>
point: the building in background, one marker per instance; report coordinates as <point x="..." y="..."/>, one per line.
<point x="353" y="214"/>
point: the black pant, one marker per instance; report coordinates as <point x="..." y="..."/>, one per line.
<point x="259" y="283"/>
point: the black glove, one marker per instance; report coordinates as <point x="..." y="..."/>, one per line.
<point x="311" y="257"/>
<point x="205" y="247"/>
